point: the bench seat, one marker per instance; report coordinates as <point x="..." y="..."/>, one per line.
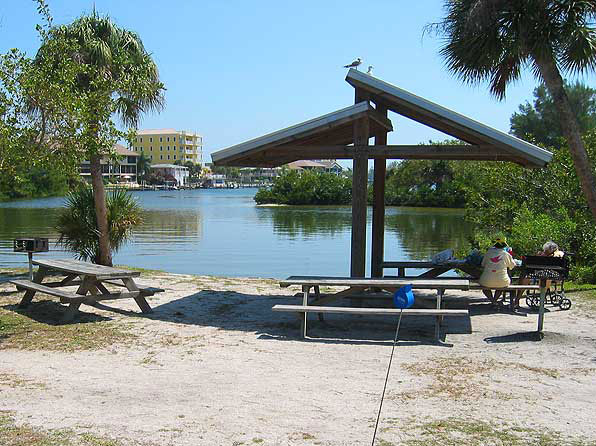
<point x="370" y="311"/>
<point x="65" y="296"/>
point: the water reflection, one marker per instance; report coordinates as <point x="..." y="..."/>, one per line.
<point x="222" y="232"/>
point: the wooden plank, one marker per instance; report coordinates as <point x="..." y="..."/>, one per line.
<point x="370" y="311"/>
<point x="378" y="217"/>
<point x="507" y="288"/>
<point x="461" y="284"/>
<point x="29" y="285"/>
<point x="85" y="268"/>
<point x="37" y="278"/>
<point x="140" y="300"/>
<point x="359" y="200"/>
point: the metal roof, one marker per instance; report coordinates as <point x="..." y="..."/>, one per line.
<point x="332" y="128"/>
<point x="447" y="121"/>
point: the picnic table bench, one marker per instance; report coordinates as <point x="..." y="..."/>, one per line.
<point x="355" y="285"/>
<point x="91" y="280"/>
<point x="433" y="269"/>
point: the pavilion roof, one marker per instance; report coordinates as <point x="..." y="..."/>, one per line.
<point x="447" y="121"/>
<point x="330" y="136"/>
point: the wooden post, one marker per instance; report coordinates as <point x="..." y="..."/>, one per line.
<point x="541" y="308"/>
<point x="359" y="199"/>
<point x="378" y="216"/>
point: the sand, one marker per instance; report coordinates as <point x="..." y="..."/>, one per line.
<point x="213" y="365"/>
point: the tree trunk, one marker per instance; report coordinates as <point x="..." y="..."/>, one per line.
<point x="583" y="166"/>
<point x="101" y="211"/>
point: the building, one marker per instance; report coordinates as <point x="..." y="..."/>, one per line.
<point x="178" y="173"/>
<point x="330" y="166"/>
<point x="122" y="170"/>
<point x="169" y="145"/>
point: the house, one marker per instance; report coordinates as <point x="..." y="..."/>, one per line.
<point x="123" y="169"/>
<point x="330" y="166"/>
<point x="178" y="173"/>
<point x="169" y="145"/>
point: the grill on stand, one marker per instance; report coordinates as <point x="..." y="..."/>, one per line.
<point x="31" y="245"/>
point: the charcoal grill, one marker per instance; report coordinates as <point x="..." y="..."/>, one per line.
<point x="31" y="245"/>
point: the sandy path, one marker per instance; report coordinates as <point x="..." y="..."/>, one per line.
<point x="214" y="366"/>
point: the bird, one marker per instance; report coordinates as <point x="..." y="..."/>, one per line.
<point x="354" y="64"/>
<point x="370" y="70"/>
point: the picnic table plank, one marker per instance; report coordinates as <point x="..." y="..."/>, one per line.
<point x="372" y="311"/>
<point x="83" y="268"/>
<point x="461" y="284"/>
<point x="37" y="287"/>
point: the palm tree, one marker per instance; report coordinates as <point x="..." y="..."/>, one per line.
<point x="121" y="77"/>
<point x="143" y="166"/>
<point x="493" y="40"/>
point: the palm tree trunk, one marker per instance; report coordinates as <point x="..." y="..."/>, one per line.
<point x="583" y="166"/>
<point x="101" y="211"/>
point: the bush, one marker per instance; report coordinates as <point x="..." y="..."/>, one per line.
<point x="306" y="188"/>
<point x="77" y="223"/>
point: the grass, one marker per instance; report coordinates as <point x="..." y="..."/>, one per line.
<point x="13" y="381"/>
<point x="455" y="432"/>
<point x="12" y="434"/>
<point x="37" y="328"/>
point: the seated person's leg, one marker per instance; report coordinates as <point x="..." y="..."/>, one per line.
<point x="489" y="294"/>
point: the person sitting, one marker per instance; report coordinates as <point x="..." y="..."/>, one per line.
<point x="496" y="263"/>
<point x="549" y="249"/>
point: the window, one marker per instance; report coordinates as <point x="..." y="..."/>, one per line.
<point x="160" y="139"/>
<point x="151" y="156"/>
<point x="174" y="156"/>
<point x="168" y="139"/>
<point x="174" y="148"/>
<point x="160" y="157"/>
<point x="168" y="156"/>
<point x="150" y="139"/>
<point x="174" y="139"/>
<point x="141" y="139"/>
<point x="161" y="148"/>
<point x="168" y="148"/>
<point x="151" y="148"/>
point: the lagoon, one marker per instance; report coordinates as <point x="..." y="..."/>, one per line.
<point x="223" y="233"/>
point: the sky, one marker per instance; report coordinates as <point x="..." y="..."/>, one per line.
<point x="235" y="70"/>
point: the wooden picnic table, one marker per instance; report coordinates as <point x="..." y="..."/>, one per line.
<point x="91" y="280"/>
<point x="355" y="285"/>
<point x="433" y="269"/>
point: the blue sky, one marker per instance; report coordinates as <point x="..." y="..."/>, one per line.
<point x="235" y="70"/>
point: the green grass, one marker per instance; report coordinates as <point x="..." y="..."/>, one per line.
<point x="12" y="434"/>
<point x="455" y="432"/>
<point x="38" y="328"/>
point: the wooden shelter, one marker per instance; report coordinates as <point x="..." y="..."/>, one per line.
<point x="345" y="134"/>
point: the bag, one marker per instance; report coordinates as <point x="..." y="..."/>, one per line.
<point x="442" y="257"/>
<point x="403" y="297"/>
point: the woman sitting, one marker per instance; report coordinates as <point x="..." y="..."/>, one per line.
<point x="496" y="263"/>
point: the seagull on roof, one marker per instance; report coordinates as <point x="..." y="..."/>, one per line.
<point x="354" y="64"/>
<point x="370" y="70"/>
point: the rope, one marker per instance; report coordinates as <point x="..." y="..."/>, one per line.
<point x="387" y="377"/>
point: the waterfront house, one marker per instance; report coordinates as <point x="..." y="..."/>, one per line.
<point x="121" y="169"/>
<point x="169" y="145"/>
<point x="330" y="166"/>
<point x="173" y="171"/>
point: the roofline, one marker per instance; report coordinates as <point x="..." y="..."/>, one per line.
<point x="378" y="87"/>
<point x="279" y="136"/>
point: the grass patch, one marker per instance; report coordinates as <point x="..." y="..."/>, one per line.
<point x="13" y="381"/>
<point x="38" y="328"/>
<point x="455" y="432"/>
<point x="12" y="434"/>
<point x="142" y="270"/>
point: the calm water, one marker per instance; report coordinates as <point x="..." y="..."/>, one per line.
<point x="223" y="233"/>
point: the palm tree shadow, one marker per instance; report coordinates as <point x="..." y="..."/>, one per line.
<point x="231" y="310"/>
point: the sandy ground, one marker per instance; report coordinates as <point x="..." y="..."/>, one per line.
<point x="213" y="365"/>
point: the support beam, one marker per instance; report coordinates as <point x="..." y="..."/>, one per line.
<point x="378" y="217"/>
<point x="359" y="196"/>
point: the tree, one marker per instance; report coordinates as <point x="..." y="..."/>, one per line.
<point x="540" y="120"/>
<point x="143" y="167"/>
<point x="118" y="76"/>
<point x="493" y="40"/>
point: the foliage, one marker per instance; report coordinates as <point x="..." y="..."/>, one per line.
<point x="306" y="188"/>
<point x="540" y="122"/>
<point x="77" y="223"/>
<point x="143" y="167"/>
<point x="194" y="169"/>
<point x="37" y="182"/>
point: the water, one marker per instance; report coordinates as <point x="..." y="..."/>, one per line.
<point x="223" y="233"/>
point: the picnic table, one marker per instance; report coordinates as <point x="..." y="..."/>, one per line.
<point x="355" y="286"/>
<point x="91" y="280"/>
<point x="433" y="269"/>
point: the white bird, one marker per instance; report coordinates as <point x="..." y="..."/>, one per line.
<point x="370" y="70"/>
<point x="354" y="64"/>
